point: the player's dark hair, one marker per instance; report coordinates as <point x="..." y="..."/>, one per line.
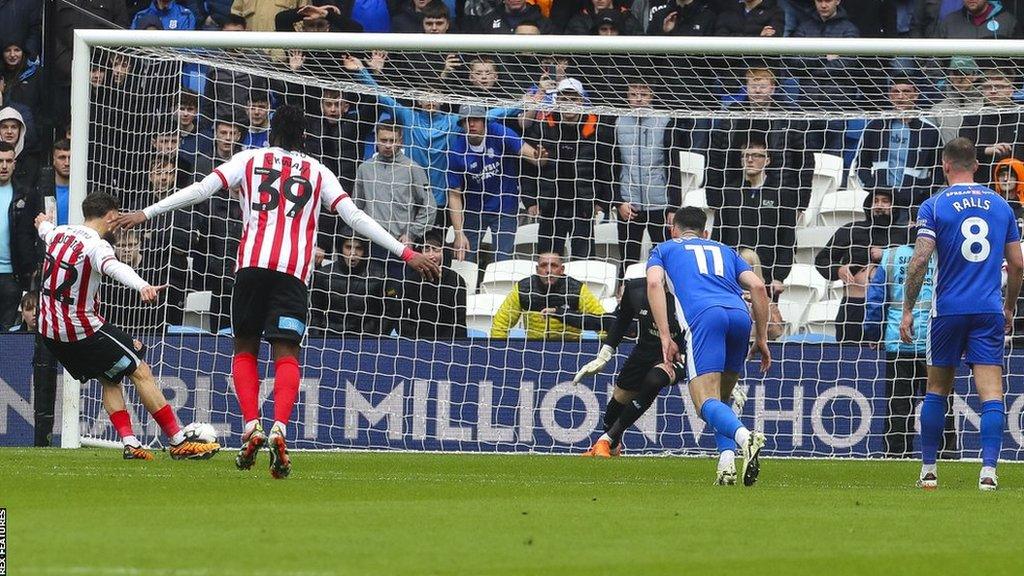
<point x="961" y="155"/>
<point x="62" y="144"/>
<point x="288" y="128"/>
<point x="6" y="147"/>
<point x="690" y="218"/>
<point x="97" y="205"/>
<point x="436" y="9"/>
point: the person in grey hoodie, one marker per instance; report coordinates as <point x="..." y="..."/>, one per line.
<point x="394" y="190"/>
<point x="13" y="130"/>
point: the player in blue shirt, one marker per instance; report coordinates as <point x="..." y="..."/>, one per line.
<point x="707" y="279"/>
<point x="971" y="229"/>
<point x="483" y="183"/>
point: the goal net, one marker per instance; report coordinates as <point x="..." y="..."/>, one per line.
<point x="543" y="170"/>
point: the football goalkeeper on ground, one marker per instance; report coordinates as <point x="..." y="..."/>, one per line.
<point x="643" y="375"/>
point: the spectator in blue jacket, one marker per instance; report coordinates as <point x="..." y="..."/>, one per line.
<point x="173" y="16"/>
<point x="905" y="366"/>
<point x="901" y="154"/>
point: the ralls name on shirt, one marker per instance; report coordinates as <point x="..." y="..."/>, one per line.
<point x="961" y="205"/>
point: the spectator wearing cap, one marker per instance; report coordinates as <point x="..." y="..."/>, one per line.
<point x="507" y="14"/>
<point x="901" y="154"/>
<point x="576" y="180"/>
<point x="980" y="19"/>
<point x="603" y="15"/>
<point x="433" y="309"/>
<point x="791" y="141"/>
<point x="682" y="18"/>
<point x="257" y="109"/>
<point x="961" y="94"/>
<point x="763" y="18"/>
<point x="851" y="255"/>
<point x="172" y="16"/>
<point x="394" y="190"/>
<point x="483" y="184"/>
<point x="998" y="134"/>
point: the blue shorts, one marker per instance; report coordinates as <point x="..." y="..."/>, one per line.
<point x="717" y="341"/>
<point x="976" y="338"/>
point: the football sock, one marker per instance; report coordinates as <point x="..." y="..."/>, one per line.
<point x="169" y="424"/>
<point x="993" y="420"/>
<point x="726" y="459"/>
<point x="725" y="444"/>
<point x="632" y="411"/>
<point x="286" y="388"/>
<point x="611" y="412"/>
<point x="280" y="428"/>
<point x="131" y="440"/>
<point x="933" y="418"/>
<point x="246" y="376"/>
<point x="250" y="426"/>
<point x="721" y="417"/>
<point x="122" y="422"/>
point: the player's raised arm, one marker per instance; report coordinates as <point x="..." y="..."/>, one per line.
<point x="44" y="226"/>
<point x="224" y="176"/>
<point x="104" y="260"/>
<point x="338" y="201"/>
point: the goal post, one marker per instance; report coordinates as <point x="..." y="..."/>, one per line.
<point x="384" y="390"/>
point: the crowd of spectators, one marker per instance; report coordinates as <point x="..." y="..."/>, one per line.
<point x="444" y="178"/>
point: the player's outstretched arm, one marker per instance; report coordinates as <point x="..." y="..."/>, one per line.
<point x="44" y="225"/>
<point x="104" y="260"/>
<point x="185" y="197"/>
<point x="1014" y="272"/>
<point x="923" y="248"/>
<point x="659" y="310"/>
<point x="759" y="307"/>
<point x="362" y="223"/>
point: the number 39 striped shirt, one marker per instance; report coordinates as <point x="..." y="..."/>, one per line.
<point x="281" y="193"/>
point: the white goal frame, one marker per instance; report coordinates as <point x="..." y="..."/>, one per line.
<point x="86" y="40"/>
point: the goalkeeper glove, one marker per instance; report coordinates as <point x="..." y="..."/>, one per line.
<point x="595" y="365"/>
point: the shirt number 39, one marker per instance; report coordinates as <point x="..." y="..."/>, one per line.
<point x="975" y="247"/>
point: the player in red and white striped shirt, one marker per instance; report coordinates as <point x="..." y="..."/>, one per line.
<point x="77" y="257"/>
<point x="281" y="191"/>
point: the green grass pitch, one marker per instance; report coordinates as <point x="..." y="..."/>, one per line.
<point x="87" y="511"/>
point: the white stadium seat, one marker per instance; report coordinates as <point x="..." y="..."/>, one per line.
<point x="841" y="207"/>
<point x="691" y="166"/>
<point x="699" y="199"/>
<point x="638" y="270"/>
<point x="500" y="277"/>
<point x="804" y="286"/>
<point x="197" y="309"/>
<point x="810" y="241"/>
<point x="828" y="175"/>
<point x="609" y="304"/>
<point x="606" y="241"/>
<point x="526" y="239"/>
<point x="480" y="310"/>
<point x="600" y="277"/>
<point x="821" y="317"/>
<point x="470" y="273"/>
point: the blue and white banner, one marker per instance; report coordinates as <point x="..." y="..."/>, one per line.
<point x="515" y="396"/>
